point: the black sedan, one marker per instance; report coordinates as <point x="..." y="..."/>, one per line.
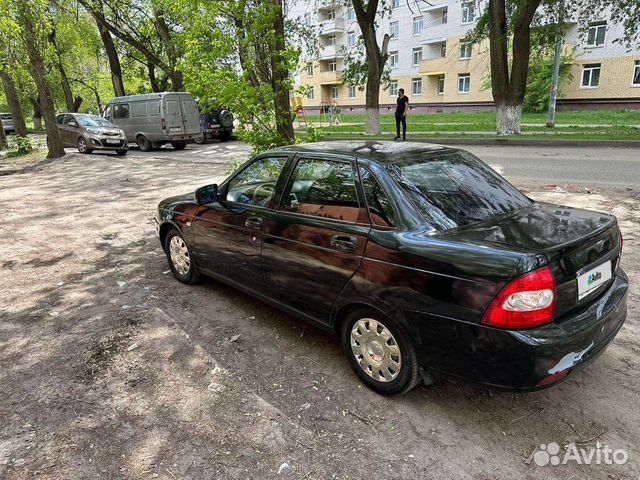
<point x="425" y="261"/>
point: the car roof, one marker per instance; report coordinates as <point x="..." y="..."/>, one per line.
<point x="382" y="151"/>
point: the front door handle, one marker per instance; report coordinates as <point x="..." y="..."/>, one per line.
<point x="343" y="242"/>
<point x="253" y="222"/>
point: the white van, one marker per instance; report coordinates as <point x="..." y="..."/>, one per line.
<point x="155" y="119"/>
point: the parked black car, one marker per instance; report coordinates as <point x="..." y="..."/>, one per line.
<point x="424" y="260"/>
<point x="216" y="124"/>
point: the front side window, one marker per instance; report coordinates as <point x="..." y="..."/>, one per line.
<point x="418" y="25"/>
<point x="416" y="56"/>
<point x="468" y="12"/>
<point x="416" y="86"/>
<point x="59" y="119"/>
<point x="596" y="34"/>
<point x="455" y="189"/>
<point x="464" y="83"/>
<point x="393" y="88"/>
<point x="381" y="211"/>
<point x="322" y="188"/>
<point x="394" y="29"/>
<point x="256" y="184"/>
<point x="636" y="74"/>
<point x="393" y="59"/>
<point x="591" y="75"/>
<point x="121" y="111"/>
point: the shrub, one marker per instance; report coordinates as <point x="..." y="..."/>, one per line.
<point x="21" y="145"/>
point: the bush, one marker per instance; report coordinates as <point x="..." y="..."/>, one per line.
<point x="21" y="145"/>
<point x="314" y="134"/>
<point x="261" y="140"/>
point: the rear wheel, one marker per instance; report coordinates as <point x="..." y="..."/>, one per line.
<point x="201" y="139"/>
<point x="225" y="135"/>
<point x="379" y="352"/>
<point x="143" y="144"/>
<point x="179" y="145"/>
<point x="179" y="258"/>
<point x="82" y="146"/>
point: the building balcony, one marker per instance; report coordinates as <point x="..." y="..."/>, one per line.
<point x="331" y="27"/>
<point x="328" y="52"/>
<point x="433" y="66"/>
<point x="329" y="77"/>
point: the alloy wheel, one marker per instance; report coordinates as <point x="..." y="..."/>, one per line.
<point x="376" y="350"/>
<point x="82" y="145"/>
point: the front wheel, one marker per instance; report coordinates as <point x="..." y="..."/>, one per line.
<point x="379" y="352"/>
<point x="143" y="144"/>
<point x="82" y="146"/>
<point x="121" y="152"/>
<point x="179" y="256"/>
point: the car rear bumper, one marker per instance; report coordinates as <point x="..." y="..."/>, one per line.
<point x="524" y="360"/>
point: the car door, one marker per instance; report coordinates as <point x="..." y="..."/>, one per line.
<point x="173" y="115"/>
<point x="228" y="235"/>
<point x="60" y="122"/>
<point x="314" y="243"/>
<point x="70" y="132"/>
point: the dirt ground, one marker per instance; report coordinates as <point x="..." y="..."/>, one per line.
<point x="109" y="368"/>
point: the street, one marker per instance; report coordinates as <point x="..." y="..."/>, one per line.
<point x="112" y="369"/>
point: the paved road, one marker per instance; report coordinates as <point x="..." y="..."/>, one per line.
<point x="527" y="166"/>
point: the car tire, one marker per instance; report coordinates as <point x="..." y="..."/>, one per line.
<point x="181" y="262"/>
<point x="143" y="144"/>
<point x="122" y="152"/>
<point x="201" y="139"/>
<point x="386" y="349"/>
<point x="179" y="145"/>
<point x="83" y="147"/>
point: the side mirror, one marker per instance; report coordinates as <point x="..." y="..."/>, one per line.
<point x="207" y="194"/>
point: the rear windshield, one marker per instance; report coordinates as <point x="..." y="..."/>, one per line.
<point x="6" y="116"/>
<point x="454" y="189"/>
<point x="94" y="122"/>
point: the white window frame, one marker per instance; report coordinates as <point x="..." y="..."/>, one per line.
<point x="394" y="29"/>
<point x="352" y="91"/>
<point x="309" y="69"/>
<point x="444" y="18"/>
<point x="352" y="39"/>
<point x="418" y="25"/>
<point x="468" y="13"/>
<point x="333" y="66"/>
<point x="465" y="50"/>
<point x="394" y="59"/>
<point x="443" y="50"/>
<point x="441" y="81"/>
<point x="332" y="40"/>
<point x="335" y="93"/>
<point x="590" y="67"/>
<point x="416" y="52"/>
<point x="416" y="82"/>
<point x="636" y="73"/>
<point x="466" y="81"/>
<point x="393" y="88"/>
<point x="351" y="13"/>
<point x="395" y="4"/>
<point x="308" y="20"/>
<point x="595" y="28"/>
<point x="331" y="15"/>
<point x="311" y="95"/>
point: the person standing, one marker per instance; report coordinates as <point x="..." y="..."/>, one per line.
<point x="402" y="107"/>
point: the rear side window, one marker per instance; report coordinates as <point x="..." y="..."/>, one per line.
<point x="455" y="189"/>
<point x="256" y="184"/>
<point x="153" y="108"/>
<point x="139" y="109"/>
<point x="381" y="211"/>
<point x="121" y="110"/>
<point x="322" y="188"/>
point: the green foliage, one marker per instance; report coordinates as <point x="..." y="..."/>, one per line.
<point x="314" y="134"/>
<point x="536" y="99"/>
<point x="262" y="140"/>
<point x="21" y="145"/>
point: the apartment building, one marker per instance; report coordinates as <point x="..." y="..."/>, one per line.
<point x="439" y="71"/>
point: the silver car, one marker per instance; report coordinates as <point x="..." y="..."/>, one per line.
<point x="90" y="132"/>
<point x="7" y="123"/>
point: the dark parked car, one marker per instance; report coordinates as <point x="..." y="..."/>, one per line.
<point x="90" y="132"/>
<point x="216" y="124"/>
<point x="424" y="260"/>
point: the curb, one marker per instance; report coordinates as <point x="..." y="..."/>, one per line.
<point x="510" y="142"/>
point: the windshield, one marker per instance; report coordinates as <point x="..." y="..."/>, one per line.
<point x="94" y="122"/>
<point x="6" y="116"/>
<point x="455" y="189"/>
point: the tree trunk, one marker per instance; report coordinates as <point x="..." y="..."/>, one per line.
<point x="372" y="102"/>
<point x="37" y="114"/>
<point x="152" y="78"/>
<point x="114" y="60"/>
<point x="171" y="51"/>
<point x="64" y="80"/>
<point x="508" y="118"/>
<point x="15" y="107"/>
<point x="3" y="138"/>
<point x="282" y="107"/>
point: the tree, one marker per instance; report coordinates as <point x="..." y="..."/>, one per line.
<point x="13" y="100"/>
<point x="3" y="138"/>
<point x="366" y="15"/>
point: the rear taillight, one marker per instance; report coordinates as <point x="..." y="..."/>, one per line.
<point x="526" y="302"/>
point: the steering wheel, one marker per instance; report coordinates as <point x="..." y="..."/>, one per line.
<point x="268" y="188"/>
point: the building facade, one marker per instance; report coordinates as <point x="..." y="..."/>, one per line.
<point x="440" y="72"/>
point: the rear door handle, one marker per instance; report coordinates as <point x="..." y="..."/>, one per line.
<point x="253" y="222"/>
<point x="343" y="242"/>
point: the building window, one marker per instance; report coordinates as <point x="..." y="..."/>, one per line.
<point x="333" y="66"/>
<point x="443" y="18"/>
<point x="351" y="14"/>
<point x="416" y="87"/>
<point x="332" y="39"/>
<point x="464" y="83"/>
<point x="394" y="29"/>
<point x="352" y="92"/>
<point x="393" y="59"/>
<point x="441" y="85"/>
<point x="351" y="39"/>
<point x="393" y="88"/>
<point x="416" y="56"/>
<point x="307" y="19"/>
<point x="418" y="25"/>
<point x="596" y="34"/>
<point x="468" y="12"/>
<point x="465" y="50"/>
<point x="309" y="69"/>
<point x="591" y="75"/>
<point x="311" y="95"/>
<point x="335" y="92"/>
<point x="395" y="4"/>
<point x="443" y="50"/>
<point x="331" y="15"/>
<point x="636" y="74"/>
